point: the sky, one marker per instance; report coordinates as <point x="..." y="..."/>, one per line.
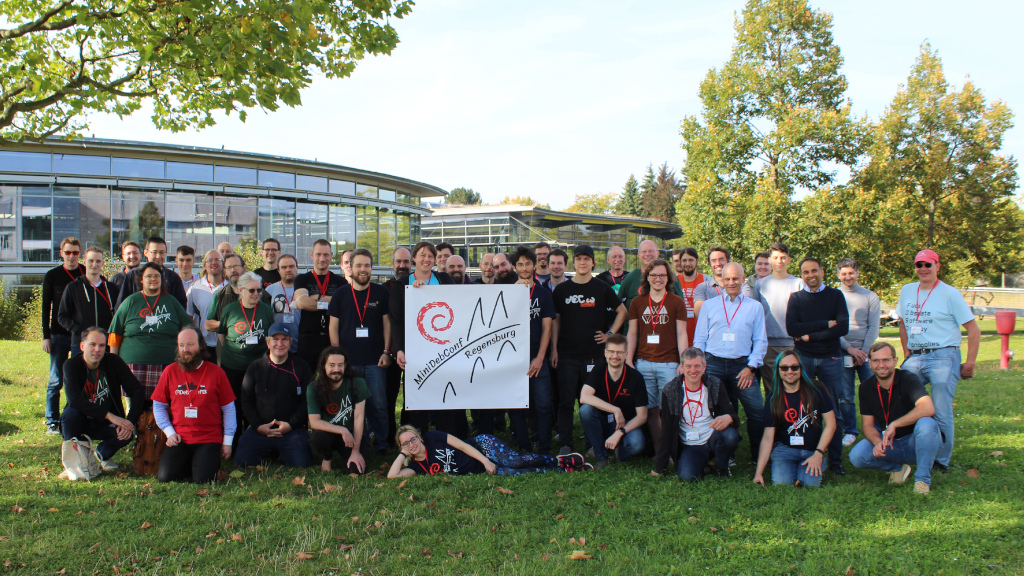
<point x="555" y="99"/>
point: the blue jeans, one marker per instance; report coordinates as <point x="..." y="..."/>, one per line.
<point x="293" y="448"/>
<point x="727" y="370"/>
<point x="830" y="372"/>
<point x="542" y="408"/>
<point x="918" y="448"/>
<point x="694" y="457"/>
<point x="941" y="369"/>
<point x="377" y="407"/>
<point x="597" y="428"/>
<point x="786" y="468"/>
<point x="60" y="349"/>
<point x="656" y="375"/>
<point x="74" y="424"/>
<point x="848" y="412"/>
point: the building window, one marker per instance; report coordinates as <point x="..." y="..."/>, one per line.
<point x="36" y="223"/>
<point x="190" y="223"/>
<point x="136" y="215"/>
<point x="311" y="224"/>
<point x="341" y="226"/>
<point x="277" y="220"/>
<point x="25" y="161"/>
<point x="272" y="179"/>
<point x="365" y="191"/>
<point x="80" y="164"/>
<point x="388" y="237"/>
<point x="342" y="188"/>
<point x="189" y="172"/>
<point x="137" y="168"/>
<point x="311" y="183"/>
<point x="234" y="175"/>
<point x="367" y="233"/>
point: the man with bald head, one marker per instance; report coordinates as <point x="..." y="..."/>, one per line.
<point x="504" y="273"/>
<point x="456" y="267"/>
<point x="225" y="249"/>
<point x="486" y="269"/>
<point x="629" y="288"/>
<point x="730" y="331"/>
<point x="615" y="273"/>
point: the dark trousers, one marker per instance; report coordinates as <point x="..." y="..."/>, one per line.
<point x="310" y="352"/>
<point x="200" y="461"/>
<point x="394" y="386"/>
<point x="572" y="372"/>
<point x="74" y="424"/>
<point x="325" y="444"/>
<point x="293" y="448"/>
<point x="694" y="457"/>
<point x="727" y="370"/>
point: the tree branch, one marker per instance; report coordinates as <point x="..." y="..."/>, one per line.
<point x="38" y="24"/>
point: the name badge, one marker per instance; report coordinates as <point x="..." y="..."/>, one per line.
<point x="191" y="412"/>
<point x="796" y="440"/>
<point x="149" y="320"/>
<point x="689" y="313"/>
<point x="250" y="340"/>
<point x="692" y="436"/>
<point x="653" y="339"/>
<point x="288" y="319"/>
<point x="728" y="337"/>
<point x="917" y="330"/>
<point x="298" y="390"/>
<point x="362" y="332"/>
<point x="322" y="305"/>
<point x="611" y="418"/>
<point x="590" y="367"/>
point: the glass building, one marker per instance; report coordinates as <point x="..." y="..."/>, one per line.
<point x="105" y="192"/>
<point x="477" y="230"/>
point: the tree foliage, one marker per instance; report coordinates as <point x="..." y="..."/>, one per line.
<point x="594" y="203"/>
<point x="522" y="201"/>
<point x="63" y="59"/>
<point x="463" y="196"/>
<point x="630" y="201"/>
<point x="646" y="187"/>
<point x="660" y="204"/>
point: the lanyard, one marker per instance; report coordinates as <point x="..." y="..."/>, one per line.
<point x="251" y="323"/>
<point x="791" y="415"/>
<point x="68" y="272"/>
<point x="287" y="299"/>
<point x="434" y="468"/>
<point x="920" y="305"/>
<point x="728" y="320"/>
<point x="152" y="309"/>
<point x="293" y="372"/>
<point x="323" y="287"/>
<point x="362" y="314"/>
<point x="191" y="396"/>
<point x="533" y="286"/>
<point x="107" y="296"/>
<point x="661" y="306"/>
<point x="699" y="411"/>
<point x="608" y="389"/>
<point x="888" y="405"/>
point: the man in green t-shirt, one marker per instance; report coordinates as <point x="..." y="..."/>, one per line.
<point x="336" y="402"/>
<point x="630" y="287"/>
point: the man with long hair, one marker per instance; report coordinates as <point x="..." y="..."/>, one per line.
<point x="336" y="402"/>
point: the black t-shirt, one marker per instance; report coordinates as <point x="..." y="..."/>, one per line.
<point x="363" y="350"/>
<point x="269" y="276"/>
<point x="443" y="458"/>
<point x="800" y="424"/>
<point x="584" y="311"/>
<point x="906" y="390"/>
<point x="628" y="393"/>
<point x="541" y="306"/>
<point x="314" y="324"/>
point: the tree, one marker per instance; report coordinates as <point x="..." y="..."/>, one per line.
<point x="523" y="201"/>
<point x="63" y="59"/>
<point x="773" y="121"/>
<point x="594" y="203"/>
<point x="630" y="202"/>
<point x="464" y="196"/>
<point x="647" y="187"/>
<point x="935" y="167"/>
<point x="660" y="204"/>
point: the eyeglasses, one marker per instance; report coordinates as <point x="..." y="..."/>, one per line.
<point x="657" y="276"/>
<point x="923" y="264"/>
<point x="615" y="352"/>
<point x="253" y="290"/>
<point x="881" y="360"/>
<point x="411" y="442"/>
<point x="71" y="252"/>
<point x="794" y="368"/>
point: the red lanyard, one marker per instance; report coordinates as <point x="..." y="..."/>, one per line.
<point x="68" y="272"/>
<point x="107" y="296"/>
<point x="252" y="323"/>
<point x="791" y="415"/>
<point x="199" y="378"/>
<point x="152" y="309"/>
<point x="728" y="320"/>
<point x="655" y="315"/>
<point x="326" y="283"/>
<point x="287" y="299"/>
<point x="920" y="305"/>
<point x="888" y="405"/>
<point x="699" y="402"/>
<point x="362" y="315"/>
<point x="608" y="389"/>
<point x="533" y="286"/>
<point x="434" y="468"/>
<point x="95" y="384"/>
<point x="293" y="372"/>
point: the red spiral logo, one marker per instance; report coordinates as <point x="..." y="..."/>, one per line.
<point x="790" y="415"/>
<point x="145" y="312"/>
<point x="435" y="468"/>
<point x="439" y="316"/>
<point x="332" y="408"/>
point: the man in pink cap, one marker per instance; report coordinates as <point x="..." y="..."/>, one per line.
<point x="931" y="314"/>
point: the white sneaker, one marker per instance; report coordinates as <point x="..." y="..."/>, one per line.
<point x="900" y="476"/>
<point x="109" y="465"/>
<point x="849" y="439"/>
<point x="63" y="475"/>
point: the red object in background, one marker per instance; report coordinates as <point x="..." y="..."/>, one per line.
<point x="1006" y="322"/>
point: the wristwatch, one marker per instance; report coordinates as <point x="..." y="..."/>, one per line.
<point x="819" y="451"/>
<point x="751" y="368"/>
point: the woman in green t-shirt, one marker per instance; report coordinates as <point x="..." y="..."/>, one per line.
<point x="144" y="330"/>
<point x="243" y="330"/>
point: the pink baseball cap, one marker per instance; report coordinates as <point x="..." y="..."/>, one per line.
<point x="926" y="256"/>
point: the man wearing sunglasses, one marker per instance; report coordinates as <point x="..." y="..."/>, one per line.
<point x="931" y="314"/>
<point x="56" y="338"/>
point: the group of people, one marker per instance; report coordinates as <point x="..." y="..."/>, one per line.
<point x="255" y="363"/>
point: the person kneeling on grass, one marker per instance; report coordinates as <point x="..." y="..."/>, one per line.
<point x="194" y="405"/>
<point x="696" y="419"/>
<point x="336" y="402"/>
<point x="895" y="399"/>
<point x="436" y="452"/>
<point x="93" y="381"/>
<point x="613" y="405"/>
<point x="799" y="423"/>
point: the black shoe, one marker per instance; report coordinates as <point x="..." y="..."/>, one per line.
<point x="937" y="467"/>
<point x="724" y="473"/>
<point x="837" y="468"/>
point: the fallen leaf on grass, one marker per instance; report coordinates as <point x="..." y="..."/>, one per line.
<point x="212" y="534"/>
<point x="579" y="555"/>
<point x="299" y="481"/>
<point x="603" y="546"/>
<point x="693" y="519"/>
<point x="713" y="529"/>
<point x="582" y="541"/>
<point x="572" y="540"/>
<point x="613" y="504"/>
<point x="236" y="474"/>
<point x="997" y="454"/>
<point x="973" y="472"/>
<point x="505" y="490"/>
<point x="303" y="555"/>
<point x="425" y="552"/>
<point x="325" y="551"/>
<point x="236" y="537"/>
<point x="849" y="570"/>
<point x="460" y="554"/>
<point x="94" y="546"/>
<point x="220" y="541"/>
<point x="17" y="509"/>
<point x="346" y="547"/>
<point x="560" y="516"/>
<point x="545" y="556"/>
<point x="329" y="487"/>
<point x="199" y="550"/>
<point x="560" y="493"/>
<point x="145" y="526"/>
<point x="203" y="492"/>
<point x="253" y="496"/>
<point x="552" y="541"/>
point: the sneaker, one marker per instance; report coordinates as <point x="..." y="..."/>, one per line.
<point x="571" y="462"/>
<point x="837" y="468"/>
<point x="63" y="475"/>
<point x="564" y="450"/>
<point x="726" y="473"/>
<point x="52" y="430"/>
<point x="590" y="453"/>
<point x="732" y="461"/>
<point x="937" y="467"/>
<point x="598" y="464"/>
<point x="587" y="467"/>
<point x="900" y="476"/>
<point x="849" y="439"/>
<point x="921" y="487"/>
<point x="109" y="465"/>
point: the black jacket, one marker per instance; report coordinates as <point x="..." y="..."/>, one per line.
<point x="81" y="307"/>
<point x="396" y="310"/>
<point x="275" y="393"/>
<point x="672" y="398"/>
<point x="119" y="377"/>
<point x="131" y="286"/>
<point x="54" y="283"/>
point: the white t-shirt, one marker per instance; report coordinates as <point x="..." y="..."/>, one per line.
<point x="933" y="317"/>
<point x="695" y="420"/>
<point x="197" y="305"/>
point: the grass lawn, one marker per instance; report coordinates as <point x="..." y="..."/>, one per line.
<point x="624" y="521"/>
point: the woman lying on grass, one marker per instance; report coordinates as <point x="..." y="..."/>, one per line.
<point x="436" y="452"/>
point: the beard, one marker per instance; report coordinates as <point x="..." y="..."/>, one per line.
<point x="507" y="277"/>
<point x="459" y="278"/>
<point x="335" y="376"/>
<point x="188" y="361"/>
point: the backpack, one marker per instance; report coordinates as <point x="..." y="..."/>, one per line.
<point x="80" y="460"/>
<point x="149" y="445"/>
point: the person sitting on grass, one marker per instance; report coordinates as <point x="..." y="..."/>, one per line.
<point x="93" y="381"/>
<point x="436" y="452"/>
<point x="194" y="405"/>
<point x="613" y="405"/>
<point x="336" y="402"/>
<point x="896" y="414"/>
<point x="799" y="423"/>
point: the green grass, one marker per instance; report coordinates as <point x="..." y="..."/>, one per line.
<point x="632" y="523"/>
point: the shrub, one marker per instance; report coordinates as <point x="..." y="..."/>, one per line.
<point x="11" y="314"/>
<point x="32" y="312"/>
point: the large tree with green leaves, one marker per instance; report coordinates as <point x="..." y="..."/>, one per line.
<point x="630" y="202"/>
<point x="465" y="196"/>
<point x="773" y="121"/>
<point x="61" y="60"/>
<point x="660" y="204"/>
<point x="594" y="203"/>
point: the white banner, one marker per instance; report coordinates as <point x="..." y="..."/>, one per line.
<point x="467" y="346"/>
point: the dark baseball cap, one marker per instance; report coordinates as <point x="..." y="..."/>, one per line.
<point x="280" y="328"/>
<point x="583" y="250"/>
